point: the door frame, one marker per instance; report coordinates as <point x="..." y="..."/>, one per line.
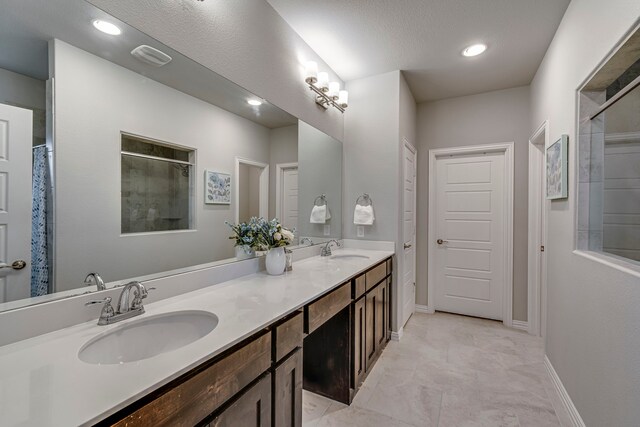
<point x="280" y="168"/>
<point x="537" y="232"/>
<point x="264" y="187"/>
<point x="507" y="149"/>
<point x="411" y="147"/>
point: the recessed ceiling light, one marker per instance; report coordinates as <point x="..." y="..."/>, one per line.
<point x="474" y="50"/>
<point x="254" y="102"/>
<point x="107" y="27"/>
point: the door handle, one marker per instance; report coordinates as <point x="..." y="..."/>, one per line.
<point x="15" y="265"/>
<point x="440" y="241"/>
<point x="407" y="245"/>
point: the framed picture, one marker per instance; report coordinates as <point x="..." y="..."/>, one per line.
<point x="217" y="188"/>
<point x="557" y="165"/>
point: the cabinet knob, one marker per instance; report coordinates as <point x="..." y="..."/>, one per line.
<point x="440" y="241"/>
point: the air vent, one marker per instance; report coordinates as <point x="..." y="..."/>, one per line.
<point x="151" y="55"/>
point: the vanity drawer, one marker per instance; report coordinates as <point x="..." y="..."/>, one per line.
<point x="389" y="266"/>
<point x="288" y="336"/>
<point x="376" y="274"/>
<point x="326" y="307"/>
<point x="359" y="286"/>
<point x="192" y="400"/>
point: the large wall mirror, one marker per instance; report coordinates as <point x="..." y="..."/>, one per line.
<point x="111" y="162"/>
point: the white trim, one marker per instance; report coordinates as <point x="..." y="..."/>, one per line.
<point x="264" y="187"/>
<point x="397" y="336"/>
<point x="507" y="149"/>
<point x="537" y="232"/>
<point x="280" y="168"/>
<point x="424" y="309"/>
<point x="574" y="415"/>
<point x="400" y="257"/>
<point x="520" y="324"/>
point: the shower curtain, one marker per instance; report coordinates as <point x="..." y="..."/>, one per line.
<point x="39" y="259"/>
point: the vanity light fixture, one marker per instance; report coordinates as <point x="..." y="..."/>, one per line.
<point x="254" y="102"/>
<point x="474" y="50"/>
<point x="327" y="93"/>
<point x="107" y="27"/>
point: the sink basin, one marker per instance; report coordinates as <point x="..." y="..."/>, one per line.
<point x="347" y="257"/>
<point x="148" y="337"/>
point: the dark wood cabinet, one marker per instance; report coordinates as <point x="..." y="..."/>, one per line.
<point x="359" y="352"/>
<point x="251" y="409"/>
<point x="287" y="398"/>
<point x="370" y="327"/>
<point x="382" y="308"/>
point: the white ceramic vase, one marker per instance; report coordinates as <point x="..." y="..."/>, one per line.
<point x="244" y="252"/>
<point x="275" y="261"/>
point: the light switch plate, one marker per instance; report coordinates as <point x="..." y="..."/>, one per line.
<point x="327" y="230"/>
<point x="360" y="231"/>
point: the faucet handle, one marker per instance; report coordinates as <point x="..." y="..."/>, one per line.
<point x="106" y="301"/>
<point x="107" y="310"/>
<point x="140" y="294"/>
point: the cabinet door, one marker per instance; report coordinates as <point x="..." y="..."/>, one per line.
<point x="359" y="352"/>
<point x="252" y="409"/>
<point x="381" y="315"/>
<point x="288" y="392"/>
<point x="370" y="327"/>
<point x="387" y="311"/>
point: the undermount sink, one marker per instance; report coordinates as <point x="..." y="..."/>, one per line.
<point x="148" y="337"/>
<point x="347" y="257"/>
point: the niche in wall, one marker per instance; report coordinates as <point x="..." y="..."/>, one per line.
<point x="609" y="157"/>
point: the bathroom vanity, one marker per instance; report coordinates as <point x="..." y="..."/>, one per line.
<point x="329" y="345"/>
<point x="321" y="327"/>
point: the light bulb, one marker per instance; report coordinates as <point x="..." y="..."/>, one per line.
<point x="334" y="89"/>
<point x="311" y="72"/>
<point x="254" y="102"/>
<point x="474" y="50"/>
<point x="323" y="81"/>
<point x="343" y="98"/>
<point x="107" y="27"/>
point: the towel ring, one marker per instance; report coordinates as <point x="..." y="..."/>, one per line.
<point x="366" y="198"/>
<point x="321" y="198"/>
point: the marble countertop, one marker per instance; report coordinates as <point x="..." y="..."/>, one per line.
<point x="44" y="383"/>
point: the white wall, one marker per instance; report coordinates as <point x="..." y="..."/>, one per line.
<point x="593" y="322"/>
<point x="244" y="41"/>
<point x="283" y="144"/>
<point x="320" y="172"/>
<point x="21" y="90"/>
<point x="372" y="160"/>
<point x="95" y="101"/>
<point x="492" y="117"/>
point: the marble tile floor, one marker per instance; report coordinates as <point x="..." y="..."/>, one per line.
<point x="450" y="371"/>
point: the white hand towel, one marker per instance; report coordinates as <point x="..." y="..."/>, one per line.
<point x="363" y="215"/>
<point x="319" y="215"/>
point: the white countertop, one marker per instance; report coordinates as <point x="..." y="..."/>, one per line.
<point x="43" y="383"/>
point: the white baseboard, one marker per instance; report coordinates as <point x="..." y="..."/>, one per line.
<point x="395" y="336"/>
<point x="575" y="417"/>
<point x="520" y="324"/>
<point x="424" y="309"/>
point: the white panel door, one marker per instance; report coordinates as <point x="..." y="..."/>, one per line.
<point x="409" y="234"/>
<point x="15" y="201"/>
<point x="290" y="198"/>
<point x="470" y="253"/>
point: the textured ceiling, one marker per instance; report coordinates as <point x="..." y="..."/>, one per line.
<point x="424" y="38"/>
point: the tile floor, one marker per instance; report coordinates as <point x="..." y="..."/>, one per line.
<point x="447" y="371"/>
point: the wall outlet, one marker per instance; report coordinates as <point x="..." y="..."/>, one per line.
<point x="360" y="231"/>
<point x="327" y="230"/>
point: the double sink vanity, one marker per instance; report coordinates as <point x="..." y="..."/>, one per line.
<point x="236" y="353"/>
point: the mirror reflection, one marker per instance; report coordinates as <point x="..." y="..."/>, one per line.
<point x="125" y="158"/>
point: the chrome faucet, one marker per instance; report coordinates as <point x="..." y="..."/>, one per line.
<point x="127" y="307"/>
<point x="326" y="249"/>
<point x="95" y="279"/>
<point x="306" y="239"/>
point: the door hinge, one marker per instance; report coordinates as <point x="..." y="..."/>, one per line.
<point x="542" y="248"/>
